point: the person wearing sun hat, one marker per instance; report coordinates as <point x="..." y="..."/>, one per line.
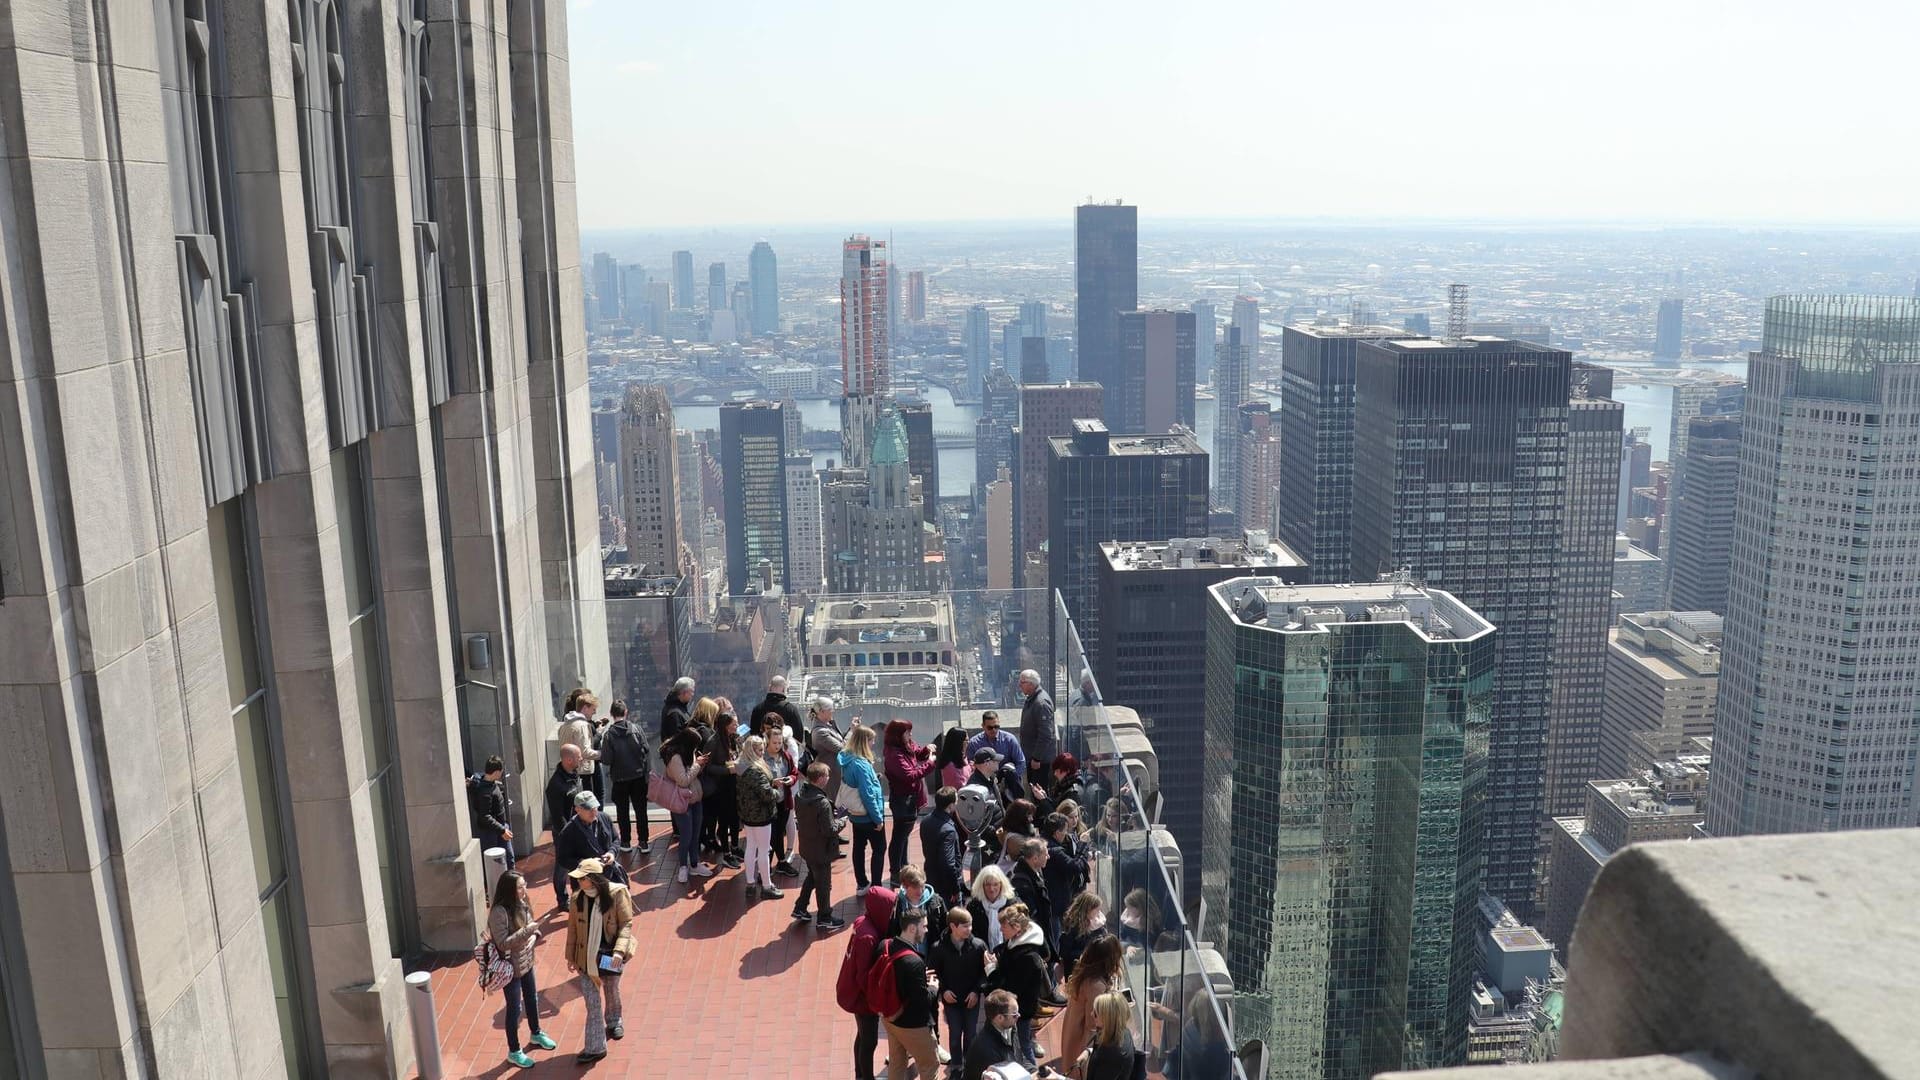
<point x="599" y="945"/>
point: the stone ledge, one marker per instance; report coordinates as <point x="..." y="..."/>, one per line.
<point x="1685" y="1067"/>
<point x="1790" y="954"/>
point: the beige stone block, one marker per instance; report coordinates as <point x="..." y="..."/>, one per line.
<point x="153" y="883"/>
<point x="46" y="26"/>
<point x="108" y="617"/>
<point x="344" y="977"/>
<point x="248" y="972"/>
<point x="85" y="320"/>
<point x="305" y="600"/>
<point x="194" y="1038"/>
<point x="233" y="881"/>
<point x="31" y="796"/>
<point x="316" y="711"/>
<point x="59" y="105"/>
<point x="175" y="442"/>
<point x="118" y="1063"/>
<point x="208" y="710"/>
<point x="339" y="872"/>
<point x="134" y="54"/>
<point x="400" y="521"/>
<point x="89" y="1006"/>
<point x="126" y="704"/>
<point x="27" y="640"/>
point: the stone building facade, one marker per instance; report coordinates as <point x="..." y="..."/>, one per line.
<point x="296" y="511"/>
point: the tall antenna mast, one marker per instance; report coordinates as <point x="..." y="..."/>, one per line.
<point x="1456" y="312"/>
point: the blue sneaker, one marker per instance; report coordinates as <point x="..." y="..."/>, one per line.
<point x="519" y="1057"/>
<point x="542" y="1040"/>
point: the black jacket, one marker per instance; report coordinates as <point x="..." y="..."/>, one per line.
<point x="1072" y="944"/>
<point x="580" y="840"/>
<point x="789" y="713"/>
<point x="990" y="1048"/>
<point x="962" y="968"/>
<point x="1038" y="740"/>
<point x="487" y="802"/>
<point x="1023" y="973"/>
<point x="1032" y="892"/>
<point x="1065" y="872"/>
<point x="910" y="975"/>
<point x="941" y="851"/>
<point x="623" y="751"/>
<point x="813" y="817"/>
<point x="674" y="715"/>
<point x="562" y="786"/>
<point x="1113" y="1061"/>
<point x="935" y="907"/>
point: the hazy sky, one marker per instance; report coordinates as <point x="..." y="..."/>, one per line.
<point x="693" y="113"/>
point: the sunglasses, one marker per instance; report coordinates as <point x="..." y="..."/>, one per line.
<point x="991" y="728"/>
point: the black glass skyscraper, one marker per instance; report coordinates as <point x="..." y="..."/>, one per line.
<point x="1151" y="387"/>
<point x="753" y="448"/>
<point x="1106" y="278"/>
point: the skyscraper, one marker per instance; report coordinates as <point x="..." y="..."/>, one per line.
<point x="1314" y="503"/>
<point x="1033" y="360"/>
<point x="999" y="529"/>
<point x="1154" y="654"/>
<point x="606" y="286"/>
<point x="1668" y="343"/>
<point x="1033" y="318"/>
<point x="1106" y="277"/>
<point x="1700" y="522"/>
<point x="683" y="279"/>
<point x="1152" y="388"/>
<point x="753" y="447"/>
<point x="993" y="441"/>
<point x="717" y="286"/>
<point x="865" y="365"/>
<point x="1229" y="393"/>
<point x="806" y="530"/>
<point x="1205" y="333"/>
<point x="875" y="539"/>
<point x="633" y="294"/>
<point x="763" y="278"/>
<point x="1817" y="723"/>
<point x="1115" y="487"/>
<point x="1721" y="395"/>
<point x="1347" y="753"/>
<point x="917" y="296"/>
<point x="1663" y="681"/>
<point x="923" y="451"/>
<point x="1489" y="416"/>
<point x="649" y="480"/>
<point x="1046" y="412"/>
<point x="1259" y="450"/>
<point x="659" y="306"/>
<point x="976" y="345"/>
<point x="1246" y="317"/>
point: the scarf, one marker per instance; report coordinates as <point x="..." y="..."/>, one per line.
<point x="993" y="907"/>
<point x="595" y="931"/>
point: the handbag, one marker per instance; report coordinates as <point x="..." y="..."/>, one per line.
<point x="665" y="792"/>
<point x="496" y="971"/>
<point x="848" y="799"/>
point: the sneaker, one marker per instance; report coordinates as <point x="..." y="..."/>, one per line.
<point x="941" y="1053"/>
<point x="785" y="869"/>
<point x="862" y="890"/>
<point x="732" y="861"/>
<point x="829" y="923"/>
<point x="801" y="916"/>
<point x="646" y="848"/>
<point x="772" y="892"/>
<point x="519" y="1057"/>
<point x="542" y="1040"/>
<point x="616" y="1030"/>
<point x="682" y="876"/>
<point x="753" y="892"/>
<point x="701" y="870"/>
<point x="584" y="1058"/>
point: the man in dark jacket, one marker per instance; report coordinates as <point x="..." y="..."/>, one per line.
<point x="959" y="961"/>
<point x="587" y="836"/>
<point x="624" y="756"/>
<point x="1038" y="739"/>
<point x="1030" y="886"/>
<point x="813" y="818"/>
<point x="1069" y="862"/>
<point x="677" y="709"/>
<point x="996" y="1044"/>
<point x="561" y="788"/>
<point x="487" y="802"/>
<point x="940" y="846"/>
<point x="909" y="1031"/>
<point x="775" y="704"/>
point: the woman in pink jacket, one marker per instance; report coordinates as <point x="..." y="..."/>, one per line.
<point x="907" y="764"/>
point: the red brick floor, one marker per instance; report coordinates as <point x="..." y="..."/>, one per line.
<point x="718" y="988"/>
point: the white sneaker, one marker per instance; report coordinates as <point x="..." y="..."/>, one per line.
<point x="941" y="1052"/>
<point x="702" y="870"/>
<point x="683" y="875"/>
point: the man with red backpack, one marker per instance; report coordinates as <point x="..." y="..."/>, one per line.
<point x="902" y="993"/>
<point x="863" y="948"/>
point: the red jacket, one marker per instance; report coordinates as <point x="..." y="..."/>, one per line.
<point x="906" y="767"/>
<point x="863" y="946"/>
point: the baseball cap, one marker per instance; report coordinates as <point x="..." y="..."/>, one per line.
<point x="587" y="799"/>
<point x="587" y="866"/>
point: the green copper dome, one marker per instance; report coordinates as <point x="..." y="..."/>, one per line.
<point x="890" y="440"/>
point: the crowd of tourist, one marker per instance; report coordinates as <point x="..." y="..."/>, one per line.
<point x="957" y="957"/>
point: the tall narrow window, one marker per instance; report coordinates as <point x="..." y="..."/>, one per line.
<point x="370" y="683"/>
<point x="262" y="771"/>
<point x="343" y="295"/>
<point x="426" y="223"/>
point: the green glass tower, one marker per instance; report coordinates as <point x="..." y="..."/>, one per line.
<point x="1345" y="777"/>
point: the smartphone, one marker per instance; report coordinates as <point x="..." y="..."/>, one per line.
<point x="1127" y="992"/>
<point x="606" y="964"/>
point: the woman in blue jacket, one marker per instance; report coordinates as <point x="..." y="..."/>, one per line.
<point x="857" y="770"/>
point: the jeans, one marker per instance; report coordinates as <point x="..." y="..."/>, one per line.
<point x="1023" y="1027"/>
<point x="960" y="1021"/>
<point x="866" y="1040"/>
<point x="780" y="819"/>
<point x="868" y="836"/>
<point x="917" y="1042"/>
<point x="592" y="993"/>
<point x="626" y="794"/>
<point x="758" y="864"/>
<point x="903" y="817"/>
<point x="689" y="826"/>
<point x="491" y="838"/>
<point x="818" y="882"/>
<point x="521" y="993"/>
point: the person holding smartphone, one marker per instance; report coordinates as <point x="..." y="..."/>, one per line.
<point x="599" y="944"/>
<point x="683" y="759"/>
